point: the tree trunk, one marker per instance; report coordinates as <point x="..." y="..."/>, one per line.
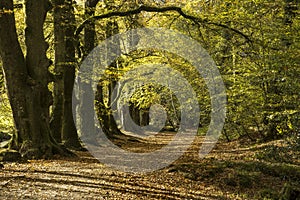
<point x="62" y="123"/>
<point x="69" y="131"/>
<point x="59" y="48"/>
<point x="85" y="104"/>
<point x="89" y="31"/>
<point x="145" y="119"/>
<point x="27" y="79"/>
<point x="135" y="114"/>
<point x="107" y="122"/>
<point x="112" y="28"/>
<point x="14" y="68"/>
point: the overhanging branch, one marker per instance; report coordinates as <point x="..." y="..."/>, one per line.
<point x="144" y="8"/>
<point x="138" y="10"/>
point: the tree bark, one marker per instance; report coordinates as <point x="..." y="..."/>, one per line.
<point x="86" y="104"/>
<point x="59" y="47"/>
<point x="27" y="78"/>
<point x="62" y="123"/>
<point x="14" y="68"/>
<point x="37" y="66"/>
<point x="89" y="30"/>
<point x="112" y="28"/>
<point x="69" y="131"/>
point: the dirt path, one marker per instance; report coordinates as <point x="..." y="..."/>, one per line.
<point x="86" y="178"/>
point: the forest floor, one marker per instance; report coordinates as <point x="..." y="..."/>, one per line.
<point x="233" y="170"/>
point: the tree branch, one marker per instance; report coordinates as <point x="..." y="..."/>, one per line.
<point x="144" y="8"/>
<point x="136" y="11"/>
<point x="231" y="29"/>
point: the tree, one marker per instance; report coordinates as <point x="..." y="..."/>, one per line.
<point x="62" y="123"/>
<point x="27" y="78"/>
<point x="259" y="72"/>
<point x="85" y="104"/>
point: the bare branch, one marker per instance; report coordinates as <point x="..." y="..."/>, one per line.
<point x="137" y="11"/>
<point x="144" y="8"/>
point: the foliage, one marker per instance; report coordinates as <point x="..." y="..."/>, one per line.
<point x="255" y="44"/>
<point x="259" y="70"/>
<point x="256" y="47"/>
<point x="6" y="120"/>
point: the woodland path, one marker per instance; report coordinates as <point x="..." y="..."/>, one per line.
<point x="86" y="178"/>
